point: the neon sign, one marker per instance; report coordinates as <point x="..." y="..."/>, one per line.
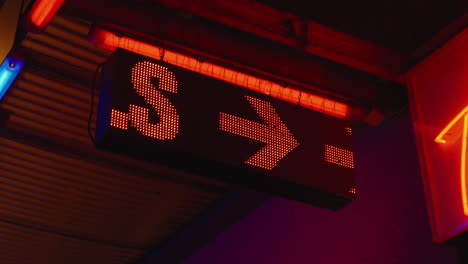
<point x="442" y="139"/>
<point x="165" y="114"/>
<point x="439" y="104"/>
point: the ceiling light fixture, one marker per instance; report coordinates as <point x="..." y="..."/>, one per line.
<point x="111" y="41"/>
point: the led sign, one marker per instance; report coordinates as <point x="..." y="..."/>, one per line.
<point x="439" y="90"/>
<point x="159" y="112"/>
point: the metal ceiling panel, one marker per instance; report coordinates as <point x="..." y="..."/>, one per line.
<point x="77" y="197"/>
<point x="61" y="199"/>
<point x="28" y="245"/>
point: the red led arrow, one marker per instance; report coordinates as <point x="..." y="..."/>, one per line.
<point x="279" y="140"/>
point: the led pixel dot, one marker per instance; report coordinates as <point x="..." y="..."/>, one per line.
<point x="119" y="119"/>
<point x="142" y="76"/>
<point x="339" y="156"/>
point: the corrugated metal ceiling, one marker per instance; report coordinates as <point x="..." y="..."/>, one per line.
<point x="61" y="199"/>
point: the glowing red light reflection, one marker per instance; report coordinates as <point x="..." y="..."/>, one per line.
<point x="42" y="13"/>
<point x="111" y="41"/>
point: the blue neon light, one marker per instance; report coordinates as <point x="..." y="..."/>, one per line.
<point x="9" y="69"/>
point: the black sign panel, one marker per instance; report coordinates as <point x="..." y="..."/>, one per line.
<point x="169" y="115"/>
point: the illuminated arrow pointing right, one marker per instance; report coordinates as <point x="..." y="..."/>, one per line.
<point x="279" y="140"/>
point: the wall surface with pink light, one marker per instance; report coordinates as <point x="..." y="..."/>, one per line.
<point x="388" y="222"/>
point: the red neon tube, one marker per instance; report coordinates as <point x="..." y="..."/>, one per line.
<point x="109" y="40"/>
<point x="441" y="138"/>
<point x="41" y="14"/>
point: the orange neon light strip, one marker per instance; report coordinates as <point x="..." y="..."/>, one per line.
<point x="42" y="12"/>
<point x="440" y="139"/>
<point x="463" y="165"/>
<point x="111" y="41"/>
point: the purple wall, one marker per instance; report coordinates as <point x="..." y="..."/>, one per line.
<point x="386" y="224"/>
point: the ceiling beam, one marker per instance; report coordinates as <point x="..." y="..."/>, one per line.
<point x="303" y="34"/>
<point x="237" y="49"/>
<point x="440" y="38"/>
